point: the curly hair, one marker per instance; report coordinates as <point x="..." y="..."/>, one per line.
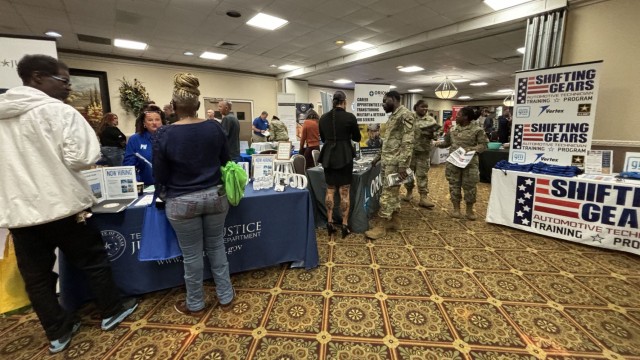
<point x="140" y="119"/>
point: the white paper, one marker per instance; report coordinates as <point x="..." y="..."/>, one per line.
<point x="460" y="158"/>
<point x="144" y="201"/>
<point x="598" y="162"/>
<point x="112" y="183"/>
<point x="262" y="165"/>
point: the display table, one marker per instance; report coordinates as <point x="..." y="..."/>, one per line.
<point x="265" y="229"/>
<point x="488" y="159"/>
<point x="592" y="210"/>
<point x="365" y="193"/>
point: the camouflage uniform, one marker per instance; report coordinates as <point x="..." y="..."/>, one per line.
<point x="397" y="148"/>
<point x="426" y="130"/>
<point x="278" y="131"/>
<point x="470" y="137"/>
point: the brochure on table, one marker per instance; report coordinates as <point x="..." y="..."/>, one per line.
<point x="554" y="112"/>
<point x="598" y="162"/>
<point x="262" y="165"/>
<point x="114" y="187"/>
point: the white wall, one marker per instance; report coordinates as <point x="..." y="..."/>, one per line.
<point x="158" y="80"/>
<point x="609" y="31"/>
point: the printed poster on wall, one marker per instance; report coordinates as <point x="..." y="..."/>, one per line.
<point x="554" y="114"/>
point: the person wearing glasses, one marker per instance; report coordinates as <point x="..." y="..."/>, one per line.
<point x="139" y="148"/>
<point x="45" y="145"/>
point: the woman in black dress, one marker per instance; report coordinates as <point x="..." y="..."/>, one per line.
<point x="337" y="129"/>
<point x="112" y="140"/>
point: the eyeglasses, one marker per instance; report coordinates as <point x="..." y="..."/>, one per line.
<point x="62" y="80"/>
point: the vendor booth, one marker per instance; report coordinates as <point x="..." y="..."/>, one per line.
<point x="365" y="193"/>
<point x="267" y="228"/>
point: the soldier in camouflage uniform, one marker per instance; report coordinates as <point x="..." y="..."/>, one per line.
<point x="469" y="136"/>
<point x="278" y="130"/>
<point x="426" y="130"/>
<point x="397" y="148"/>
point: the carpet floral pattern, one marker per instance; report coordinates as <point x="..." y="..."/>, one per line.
<point x="440" y="289"/>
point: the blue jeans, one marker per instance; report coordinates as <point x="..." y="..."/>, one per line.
<point x="113" y="155"/>
<point x="198" y="219"/>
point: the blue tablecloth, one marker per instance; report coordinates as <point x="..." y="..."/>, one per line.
<point x="267" y="228"/>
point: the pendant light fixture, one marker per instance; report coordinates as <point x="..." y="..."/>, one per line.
<point x="508" y="101"/>
<point x="446" y="89"/>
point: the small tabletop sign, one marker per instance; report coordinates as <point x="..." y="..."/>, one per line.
<point x="262" y="165"/>
<point x="284" y="150"/>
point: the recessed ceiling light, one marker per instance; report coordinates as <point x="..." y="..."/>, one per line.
<point x="503" y="4"/>
<point x="392" y="87"/>
<point x="212" y="56"/>
<point x="187" y="53"/>
<point x="288" y="67"/>
<point x="411" y="69"/>
<point x="273" y="65"/>
<point x="267" y="22"/>
<point x="464" y="97"/>
<point x="481" y="83"/>
<point x="342" y="81"/>
<point x="415" y="90"/>
<point x="128" y="44"/>
<point x="357" y="46"/>
<point x="53" y="34"/>
<point x="521" y="50"/>
<point x="460" y="80"/>
<point x="233" y="14"/>
<point x="505" y="90"/>
<point x="339" y="42"/>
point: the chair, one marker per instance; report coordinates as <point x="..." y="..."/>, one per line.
<point x="269" y="152"/>
<point x="299" y="164"/>
<point x="316" y="155"/>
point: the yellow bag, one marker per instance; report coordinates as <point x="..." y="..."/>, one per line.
<point x="12" y="293"/>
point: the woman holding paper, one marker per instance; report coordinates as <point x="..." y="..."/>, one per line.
<point x="187" y="158"/>
<point x="139" y="147"/>
<point x="470" y="137"/>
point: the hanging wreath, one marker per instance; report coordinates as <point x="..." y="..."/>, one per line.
<point x="132" y="95"/>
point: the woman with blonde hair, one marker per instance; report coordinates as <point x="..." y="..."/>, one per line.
<point x="187" y="160"/>
<point x="112" y="140"/>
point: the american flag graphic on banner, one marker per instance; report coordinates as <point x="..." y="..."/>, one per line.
<point x="527" y="86"/>
<point x="534" y="195"/>
<point x="523" y="132"/>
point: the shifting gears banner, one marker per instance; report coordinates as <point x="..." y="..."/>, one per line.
<point x="553" y="114"/>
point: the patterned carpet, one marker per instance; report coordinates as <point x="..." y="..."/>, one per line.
<point x="442" y="289"/>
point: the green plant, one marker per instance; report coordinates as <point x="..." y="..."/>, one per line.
<point x="132" y="95"/>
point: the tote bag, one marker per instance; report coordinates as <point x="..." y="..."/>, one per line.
<point x="12" y="293"/>
<point x="159" y="240"/>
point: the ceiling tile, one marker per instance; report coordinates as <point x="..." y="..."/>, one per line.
<point x="387" y="7"/>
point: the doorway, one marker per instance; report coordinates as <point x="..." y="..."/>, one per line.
<point x="243" y="109"/>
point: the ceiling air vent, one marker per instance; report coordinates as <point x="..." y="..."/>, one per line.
<point x="375" y="79"/>
<point x="228" y="45"/>
<point x="94" y="39"/>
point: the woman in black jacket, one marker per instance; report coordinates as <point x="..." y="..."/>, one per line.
<point x="337" y="129"/>
<point x="112" y="140"/>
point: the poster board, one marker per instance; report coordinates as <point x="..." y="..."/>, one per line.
<point x="368" y="103"/>
<point x="262" y="165"/>
<point x="287" y="113"/>
<point x="284" y="150"/>
<point x="631" y="161"/>
<point x="14" y="48"/>
<point x="554" y="114"/>
<point x="113" y="187"/>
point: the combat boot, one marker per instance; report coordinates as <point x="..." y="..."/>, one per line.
<point x="396" y="224"/>
<point x="379" y="230"/>
<point x="407" y="196"/>
<point x="470" y="214"/>
<point x="456" y="211"/>
<point x="426" y="203"/>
